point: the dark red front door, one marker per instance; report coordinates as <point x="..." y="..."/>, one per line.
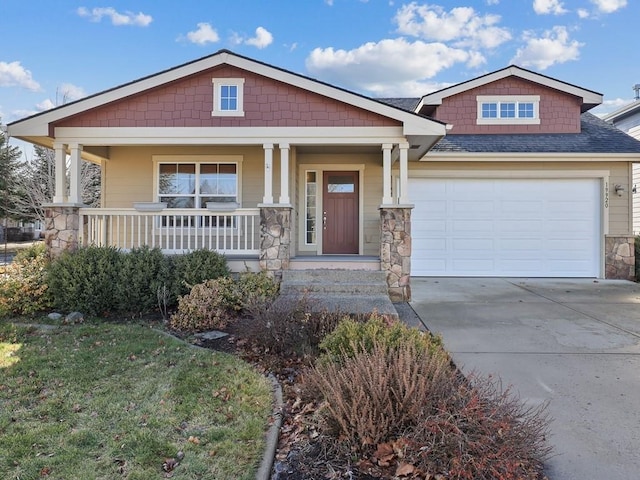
<point x="340" y="213"/>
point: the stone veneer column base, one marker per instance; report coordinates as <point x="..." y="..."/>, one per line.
<point x="620" y="258"/>
<point x="62" y="223"/>
<point x="395" y="251"/>
<point x="275" y="239"/>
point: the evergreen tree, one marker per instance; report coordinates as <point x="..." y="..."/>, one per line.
<point x="9" y="178"/>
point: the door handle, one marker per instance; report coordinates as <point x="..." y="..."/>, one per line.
<point x="324" y="220"/>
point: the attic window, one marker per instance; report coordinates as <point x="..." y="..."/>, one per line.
<point x="508" y="110"/>
<point x="228" y="95"/>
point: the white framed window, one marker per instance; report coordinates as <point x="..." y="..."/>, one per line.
<point x="310" y="207"/>
<point x="228" y="97"/>
<point x="185" y="181"/>
<point x="508" y="110"/>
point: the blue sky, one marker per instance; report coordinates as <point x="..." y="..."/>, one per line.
<point x="56" y="51"/>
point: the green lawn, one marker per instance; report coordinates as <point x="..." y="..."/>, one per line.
<point x="112" y="401"/>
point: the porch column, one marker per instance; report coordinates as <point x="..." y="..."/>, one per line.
<point x="404" y="174"/>
<point x="75" y="188"/>
<point x="268" y="174"/>
<point x="386" y="174"/>
<point x="284" y="174"/>
<point x="60" y="172"/>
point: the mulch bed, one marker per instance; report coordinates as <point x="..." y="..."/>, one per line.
<point x="298" y="457"/>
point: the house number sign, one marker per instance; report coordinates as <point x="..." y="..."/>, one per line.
<point x="606" y="194"/>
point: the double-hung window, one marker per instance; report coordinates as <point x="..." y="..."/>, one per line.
<point x="228" y="97"/>
<point x="508" y="109"/>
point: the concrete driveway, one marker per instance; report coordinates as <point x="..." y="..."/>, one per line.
<point x="573" y="342"/>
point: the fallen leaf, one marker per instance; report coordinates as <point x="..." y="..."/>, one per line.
<point x="194" y="440"/>
<point x="405" y="469"/>
<point x="169" y="464"/>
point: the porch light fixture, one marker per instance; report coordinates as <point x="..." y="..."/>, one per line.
<point x="619" y="189"/>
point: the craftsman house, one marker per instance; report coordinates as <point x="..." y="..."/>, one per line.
<point x="280" y="171"/>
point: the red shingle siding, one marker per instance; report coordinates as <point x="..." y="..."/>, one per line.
<point x="559" y="112"/>
<point x="189" y="102"/>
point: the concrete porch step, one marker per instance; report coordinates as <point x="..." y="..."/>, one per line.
<point x="350" y="291"/>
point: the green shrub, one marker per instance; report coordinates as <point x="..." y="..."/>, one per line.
<point x="195" y="267"/>
<point x="352" y="337"/>
<point x="208" y="306"/>
<point x="255" y="287"/>
<point x="142" y="272"/>
<point x="104" y="280"/>
<point x="87" y="280"/>
<point x="23" y="285"/>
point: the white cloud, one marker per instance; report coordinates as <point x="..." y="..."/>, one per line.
<point x="203" y="35"/>
<point x="553" y="47"/>
<point x="117" y="18"/>
<point x="262" y="39"/>
<point x="610" y="106"/>
<point x="609" y="6"/>
<point x="544" y="7"/>
<point x="583" y="13"/>
<point x="461" y="24"/>
<point x="387" y="68"/>
<point x="70" y="92"/>
<point x="493" y="2"/>
<point x="15" y="75"/>
<point x="46" y="104"/>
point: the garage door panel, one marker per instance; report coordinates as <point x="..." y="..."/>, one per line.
<point x="506" y="227"/>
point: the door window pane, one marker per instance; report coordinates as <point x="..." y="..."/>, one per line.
<point x="341" y="184"/>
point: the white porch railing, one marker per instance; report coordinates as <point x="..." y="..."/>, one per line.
<point x="235" y="232"/>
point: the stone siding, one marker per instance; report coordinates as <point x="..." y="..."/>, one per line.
<point x="61" y="229"/>
<point x="619" y="258"/>
<point x="395" y="251"/>
<point x="275" y="239"/>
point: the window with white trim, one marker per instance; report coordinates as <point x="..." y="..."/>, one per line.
<point x="194" y="185"/>
<point x="310" y="203"/>
<point x="228" y="97"/>
<point x="508" y="109"/>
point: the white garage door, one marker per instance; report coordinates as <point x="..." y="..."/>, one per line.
<point x="505" y="227"/>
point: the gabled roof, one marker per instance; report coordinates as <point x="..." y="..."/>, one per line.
<point x="589" y="98"/>
<point x="38" y="125"/>
<point x="624" y="112"/>
<point x="596" y="136"/>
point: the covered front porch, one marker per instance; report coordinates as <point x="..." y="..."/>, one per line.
<point x="271" y="230"/>
<point x="232" y="154"/>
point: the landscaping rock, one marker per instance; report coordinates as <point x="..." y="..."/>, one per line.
<point x="74" y="317"/>
<point x="54" y="316"/>
<point x="212" y="335"/>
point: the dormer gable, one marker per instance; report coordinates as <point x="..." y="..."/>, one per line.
<point x="510" y="100"/>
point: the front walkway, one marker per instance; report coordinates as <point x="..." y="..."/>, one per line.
<point x="575" y="343"/>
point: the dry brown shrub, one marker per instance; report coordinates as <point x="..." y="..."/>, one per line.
<point x="377" y="394"/>
<point x="482" y="432"/>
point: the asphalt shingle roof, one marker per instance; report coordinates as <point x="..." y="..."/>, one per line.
<point x="596" y="136"/>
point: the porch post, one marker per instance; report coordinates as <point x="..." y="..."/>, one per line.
<point x="386" y="174"/>
<point x="284" y="174"/>
<point x="268" y="174"/>
<point x="60" y="172"/>
<point x="75" y="190"/>
<point x="404" y="174"/>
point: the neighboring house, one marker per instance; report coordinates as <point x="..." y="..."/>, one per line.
<point x="627" y="119"/>
<point x="281" y="171"/>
